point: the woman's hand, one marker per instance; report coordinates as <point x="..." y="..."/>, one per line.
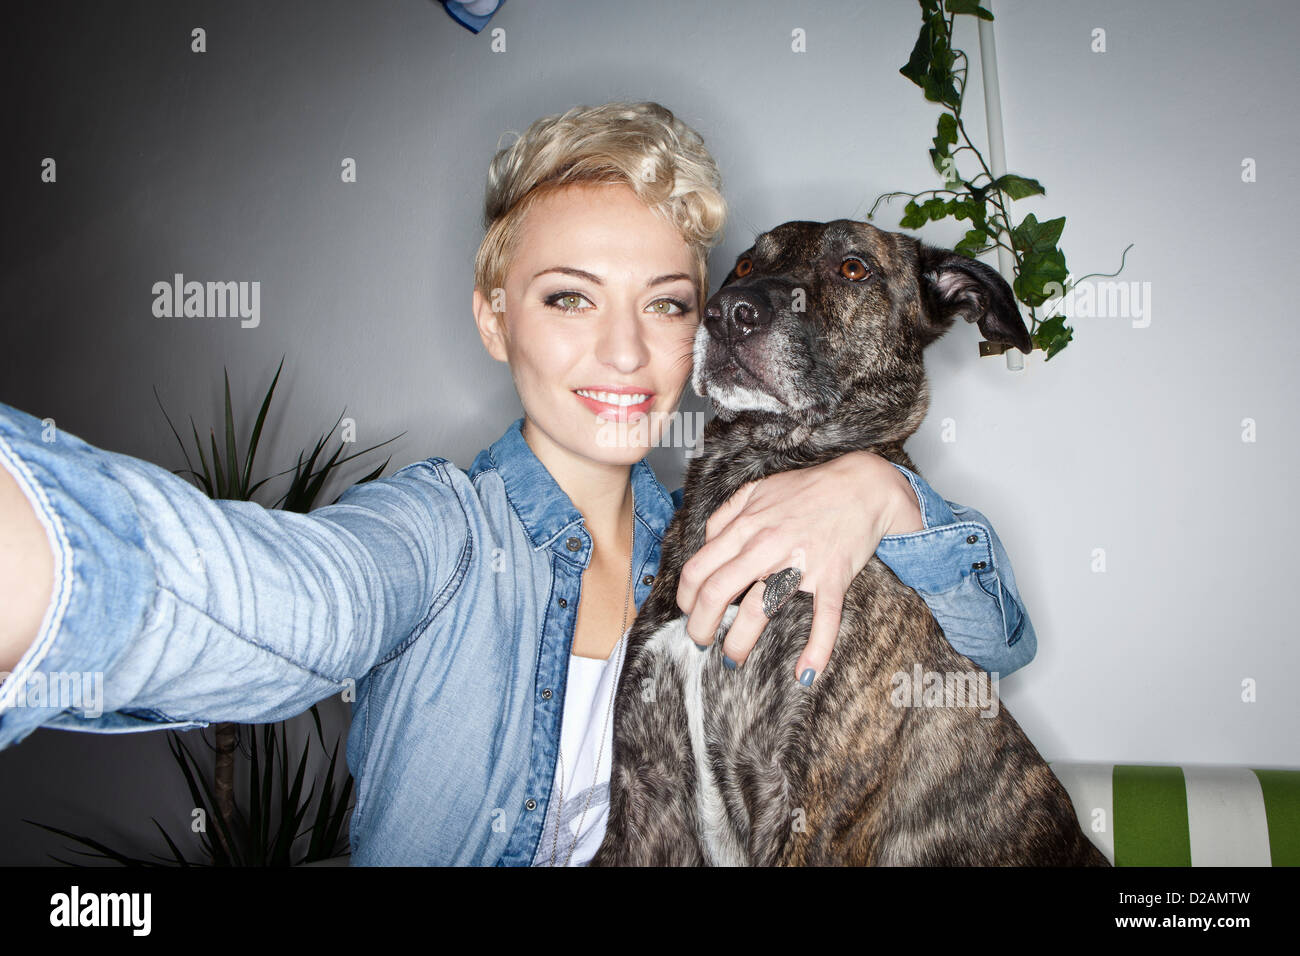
<point x="825" y="520"/>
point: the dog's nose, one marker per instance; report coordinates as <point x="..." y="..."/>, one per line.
<point x="736" y="313"/>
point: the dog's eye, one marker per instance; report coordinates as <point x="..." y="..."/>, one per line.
<point x="854" y="269"/>
<point x="744" y="267"/>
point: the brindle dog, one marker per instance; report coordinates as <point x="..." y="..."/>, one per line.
<point x="813" y="347"/>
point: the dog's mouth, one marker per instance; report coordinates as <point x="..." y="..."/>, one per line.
<point x="733" y="380"/>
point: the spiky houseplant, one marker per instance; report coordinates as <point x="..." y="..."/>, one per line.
<point x="264" y="830"/>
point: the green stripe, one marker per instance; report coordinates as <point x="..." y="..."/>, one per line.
<point x="1150" y="808"/>
<point x="1282" y="808"/>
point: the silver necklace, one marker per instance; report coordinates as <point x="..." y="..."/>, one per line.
<point x="600" y="751"/>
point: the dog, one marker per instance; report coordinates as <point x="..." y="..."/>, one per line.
<point x="813" y="347"/>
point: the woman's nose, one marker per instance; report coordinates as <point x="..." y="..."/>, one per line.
<point x="622" y="344"/>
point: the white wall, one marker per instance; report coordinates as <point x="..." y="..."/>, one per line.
<point x="225" y="166"/>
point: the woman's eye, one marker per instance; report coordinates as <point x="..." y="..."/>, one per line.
<point x="566" y="301"/>
<point x="681" y="307"/>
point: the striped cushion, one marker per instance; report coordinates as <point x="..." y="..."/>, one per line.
<point x="1187" y="816"/>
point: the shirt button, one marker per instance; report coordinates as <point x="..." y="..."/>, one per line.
<point x="546" y="693"/>
<point x="648" y="580"/>
<point x="978" y="565"/>
<point x="574" y="544"/>
<point x="971" y="539"/>
<point x="562" y="602"/>
<point x="530" y="804"/>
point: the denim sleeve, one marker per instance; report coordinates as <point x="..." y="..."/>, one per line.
<point x="957" y="564"/>
<point x="170" y="609"/>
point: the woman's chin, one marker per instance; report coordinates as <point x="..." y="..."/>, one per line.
<point x="628" y="440"/>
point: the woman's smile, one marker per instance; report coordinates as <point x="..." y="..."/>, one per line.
<point x="619" y="403"/>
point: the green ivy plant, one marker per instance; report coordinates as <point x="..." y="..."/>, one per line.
<point x="281" y="804"/>
<point x="982" y="199"/>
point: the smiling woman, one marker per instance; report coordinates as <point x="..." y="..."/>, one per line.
<point x="478" y="613"/>
<point x="607" y="341"/>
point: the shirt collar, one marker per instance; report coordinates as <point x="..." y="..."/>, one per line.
<point x="541" y="504"/>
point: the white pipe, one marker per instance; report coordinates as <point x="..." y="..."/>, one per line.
<point x="997" y="147"/>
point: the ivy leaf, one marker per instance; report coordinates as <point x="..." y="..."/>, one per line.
<point x="1018" y="187"/>
<point x="969" y="6"/>
<point x="1052" y="335"/>
<point x="913" y="218"/>
<point x="1034" y="236"/>
<point x="947" y="133"/>
<point x="935" y="209"/>
<point x="971" y="243"/>
<point x="945" y="138"/>
<point x="965" y="209"/>
<point x="1037" y="269"/>
<point x="930" y="65"/>
<point x="918" y="64"/>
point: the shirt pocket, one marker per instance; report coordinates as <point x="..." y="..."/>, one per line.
<point x="1012" y="622"/>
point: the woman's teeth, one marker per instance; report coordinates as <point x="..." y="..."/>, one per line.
<point x="613" y="398"/>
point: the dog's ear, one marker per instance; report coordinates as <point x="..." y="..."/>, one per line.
<point x="954" y="285"/>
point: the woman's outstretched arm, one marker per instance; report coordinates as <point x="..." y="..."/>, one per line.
<point x="26" y="572"/>
<point x="141" y="603"/>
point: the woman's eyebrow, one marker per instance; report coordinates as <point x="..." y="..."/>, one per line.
<point x="597" y="280"/>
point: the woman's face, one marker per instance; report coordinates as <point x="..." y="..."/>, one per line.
<point x="600" y="313"/>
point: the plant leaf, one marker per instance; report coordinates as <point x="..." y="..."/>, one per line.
<point x="1034" y="236"/>
<point x="233" y="488"/>
<point x="102" y="851"/>
<point x="1036" y="271"/>
<point x="972" y="243"/>
<point x="968" y="6"/>
<point x="1019" y="187"/>
<point x="1053" y="335"/>
<point x="257" y="433"/>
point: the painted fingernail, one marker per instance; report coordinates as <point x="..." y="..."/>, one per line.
<point x="806" y="678"/>
<point x="727" y="662"/>
<point x="703" y="647"/>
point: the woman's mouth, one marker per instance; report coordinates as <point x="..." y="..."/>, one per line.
<point x="615" y="404"/>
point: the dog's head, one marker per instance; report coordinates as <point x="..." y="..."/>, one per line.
<point x="826" y="322"/>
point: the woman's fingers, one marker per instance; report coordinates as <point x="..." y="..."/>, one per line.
<point x="717" y="549"/>
<point x="751" y="620"/>
<point x="746" y="628"/>
<point x="729" y="564"/>
<point x="828" y="611"/>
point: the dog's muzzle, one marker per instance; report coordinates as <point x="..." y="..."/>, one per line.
<point x="737" y="363"/>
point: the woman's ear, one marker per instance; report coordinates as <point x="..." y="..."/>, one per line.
<point x="491" y="324"/>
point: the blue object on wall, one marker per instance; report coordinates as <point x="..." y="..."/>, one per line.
<point x="473" y="14"/>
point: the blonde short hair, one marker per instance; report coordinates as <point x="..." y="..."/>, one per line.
<point x="642" y="145"/>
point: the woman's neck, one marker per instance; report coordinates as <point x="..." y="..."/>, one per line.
<point x="602" y="493"/>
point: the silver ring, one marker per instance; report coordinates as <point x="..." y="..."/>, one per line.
<point x="779" y="588"/>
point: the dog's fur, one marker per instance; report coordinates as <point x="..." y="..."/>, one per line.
<point x="747" y="766"/>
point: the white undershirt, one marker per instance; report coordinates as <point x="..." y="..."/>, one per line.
<point x="588" y="715"/>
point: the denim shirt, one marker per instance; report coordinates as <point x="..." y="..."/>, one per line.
<point x="441" y="602"/>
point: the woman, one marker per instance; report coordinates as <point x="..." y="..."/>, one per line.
<point x="473" y="618"/>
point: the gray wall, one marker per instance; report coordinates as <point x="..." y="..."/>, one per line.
<point x="225" y="165"/>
